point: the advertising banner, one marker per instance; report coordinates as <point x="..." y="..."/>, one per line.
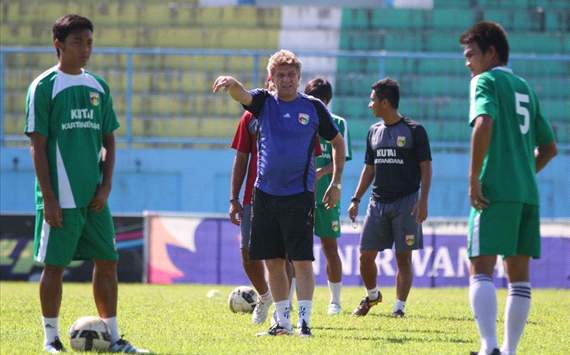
<point x="17" y="249"/>
<point x="183" y="248"/>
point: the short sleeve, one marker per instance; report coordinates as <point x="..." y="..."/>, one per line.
<point x="110" y="122"/>
<point x="421" y="141"/>
<point x="257" y="102"/>
<point x="343" y="128"/>
<point x="544" y="133"/>
<point x="482" y="98"/>
<point x="242" y="141"/>
<point x="369" y="155"/>
<point x="327" y="128"/>
<point x="38" y="108"/>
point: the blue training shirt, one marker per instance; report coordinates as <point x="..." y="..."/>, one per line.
<point x="286" y="141"/>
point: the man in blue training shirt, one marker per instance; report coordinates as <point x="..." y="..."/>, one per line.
<point x="282" y="223"/>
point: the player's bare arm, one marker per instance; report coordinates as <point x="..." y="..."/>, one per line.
<point x="52" y="210"/>
<point x="238" y="175"/>
<point x="480" y="140"/>
<point x="104" y="189"/>
<point x="421" y="208"/>
<point x="332" y="195"/>
<point x="543" y="154"/>
<point x="366" y="177"/>
<point x="325" y="170"/>
<point x="234" y="87"/>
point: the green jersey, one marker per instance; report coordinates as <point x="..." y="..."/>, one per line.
<point x="326" y="156"/>
<point x="73" y="112"/>
<point x="509" y="171"/>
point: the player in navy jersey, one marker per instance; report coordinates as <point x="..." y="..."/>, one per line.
<point x="397" y="163"/>
<point x="282" y="224"/>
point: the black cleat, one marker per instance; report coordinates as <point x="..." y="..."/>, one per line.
<point x="398" y="314"/>
<point x="304" y="330"/>
<point x="55" y="347"/>
<point x="494" y="352"/>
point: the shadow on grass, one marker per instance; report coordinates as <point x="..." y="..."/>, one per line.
<point x="400" y="340"/>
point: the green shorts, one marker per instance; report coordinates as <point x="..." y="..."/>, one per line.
<point x="327" y="222"/>
<point x="85" y="235"/>
<point x="504" y="228"/>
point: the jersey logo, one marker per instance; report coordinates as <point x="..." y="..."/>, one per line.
<point x="287" y="115"/>
<point x="401" y="141"/>
<point x="304" y="119"/>
<point x="334" y="226"/>
<point x="94" y="98"/>
<point x="410" y="240"/>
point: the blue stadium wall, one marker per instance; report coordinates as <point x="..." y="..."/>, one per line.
<point x="194" y="180"/>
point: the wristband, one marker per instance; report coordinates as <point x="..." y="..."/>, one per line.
<point x="355" y="199"/>
<point x="235" y="199"/>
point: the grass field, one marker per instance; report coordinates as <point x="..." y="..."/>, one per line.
<point x="182" y="320"/>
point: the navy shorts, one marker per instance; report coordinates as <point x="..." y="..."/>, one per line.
<point x="391" y="223"/>
<point x="245" y="226"/>
<point x="282" y="226"/>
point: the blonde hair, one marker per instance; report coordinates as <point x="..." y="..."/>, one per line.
<point x="283" y="57"/>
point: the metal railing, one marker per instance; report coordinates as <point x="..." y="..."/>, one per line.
<point x="257" y="75"/>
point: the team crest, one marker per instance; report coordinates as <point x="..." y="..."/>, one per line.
<point x="410" y="239"/>
<point x="303" y="119"/>
<point x="334" y="226"/>
<point x="401" y="141"/>
<point x="94" y="98"/>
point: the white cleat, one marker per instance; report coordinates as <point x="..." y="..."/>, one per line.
<point x="260" y="312"/>
<point x="334" y="309"/>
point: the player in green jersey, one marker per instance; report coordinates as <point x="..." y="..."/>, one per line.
<point x="510" y="143"/>
<point x="327" y="220"/>
<point x="70" y="122"/>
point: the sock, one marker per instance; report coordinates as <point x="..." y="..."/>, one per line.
<point x="292" y="290"/>
<point x="113" y="328"/>
<point x="483" y="299"/>
<point x="283" y="316"/>
<point x="399" y="305"/>
<point x="372" y="293"/>
<point x="305" y="308"/>
<point x="51" y="330"/>
<point x="516" y="315"/>
<point x="266" y="297"/>
<point x="334" y="288"/>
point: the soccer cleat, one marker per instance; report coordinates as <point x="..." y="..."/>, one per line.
<point x="123" y="346"/>
<point x="55" y="347"/>
<point x="334" y="309"/>
<point x="398" y="314"/>
<point x="304" y="330"/>
<point x="494" y="352"/>
<point x="260" y="312"/>
<point x="276" y="330"/>
<point x="362" y="309"/>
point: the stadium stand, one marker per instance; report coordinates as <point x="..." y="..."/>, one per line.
<point x="171" y="94"/>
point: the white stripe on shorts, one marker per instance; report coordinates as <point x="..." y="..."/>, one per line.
<point x="44" y="238"/>
<point x="475" y="247"/>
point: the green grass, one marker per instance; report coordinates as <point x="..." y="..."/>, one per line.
<point x="182" y="320"/>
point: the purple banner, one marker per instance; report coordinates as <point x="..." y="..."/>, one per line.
<point x="186" y="249"/>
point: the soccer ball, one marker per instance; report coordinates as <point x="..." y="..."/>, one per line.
<point x="242" y="299"/>
<point x="89" y="333"/>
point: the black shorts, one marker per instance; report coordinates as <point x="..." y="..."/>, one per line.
<point x="282" y="226"/>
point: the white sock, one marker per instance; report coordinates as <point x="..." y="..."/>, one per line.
<point x="399" y="305"/>
<point x="305" y="308"/>
<point x="334" y="288"/>
<point x="516" y="315"/>
<point x="372" y="293"/>
<point x="292" y="290"/>
<point x="51" y="330"/>
<point x="483" y="299"/>
<point x="283" y="316"/>
<point x="113" y="328"/>
<point x="266" y="297"/>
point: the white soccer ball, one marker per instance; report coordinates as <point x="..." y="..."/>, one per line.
<point x="89" y="334"/>
<point x="242" y="299"/>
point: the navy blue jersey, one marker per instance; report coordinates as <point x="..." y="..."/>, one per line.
<point x="286" y="141"/>
<point x="396" y="152"/>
